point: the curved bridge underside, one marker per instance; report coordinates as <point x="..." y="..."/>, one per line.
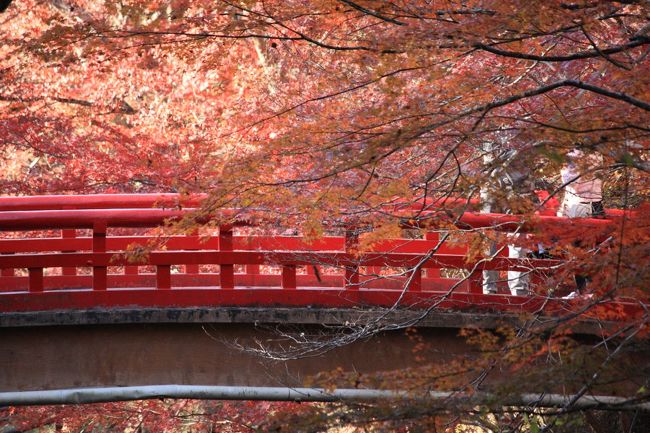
<point x="216" y="346"/>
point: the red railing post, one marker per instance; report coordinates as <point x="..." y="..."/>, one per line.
<point x="475" y="282"/>
<point x="434" y="237"/>
<point x="351" y="272"/>
<point x="289" y="276"/>
<point x="68" y="234"/>
<point x="193" y="268"/>
<point x="131" y="270"/>
<point x="99" y="246"/>
<point x="163" y="277"/>
<point x="35" y="280"/>
<point x="226" y="271"/>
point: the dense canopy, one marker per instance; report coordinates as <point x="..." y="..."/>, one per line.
<point x="326" y="110"/>
<point x="371" y="98"/>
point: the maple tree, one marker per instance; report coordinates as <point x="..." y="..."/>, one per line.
<point x="148" y="415"/>
<point x="326" y="111"/>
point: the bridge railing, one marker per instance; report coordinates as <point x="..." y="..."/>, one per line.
<point x="89" y="236"/>
<point x="244" y="260"/>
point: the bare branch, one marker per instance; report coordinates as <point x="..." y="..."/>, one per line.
<point x="637" y="42"/>
<point x="372" y="13"/>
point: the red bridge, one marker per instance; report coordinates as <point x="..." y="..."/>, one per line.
<point x="152" y="318"/>
<point x="81" y="263"/>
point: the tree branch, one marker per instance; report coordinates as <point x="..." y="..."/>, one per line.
<point x="528" y="94"/>
<point x="614" y="95"/>
<point x="564" y="83"/>
<point x="371" y="12"/>
<point x="4" y="4"/>
<point x="73" y="101"/>
<point x="637" y="42"/>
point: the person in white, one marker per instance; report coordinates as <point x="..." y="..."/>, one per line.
<point x="583" y="195"/>
<point x="583" y="192"/>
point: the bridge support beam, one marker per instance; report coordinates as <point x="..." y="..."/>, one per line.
<point x="59" y="357"/>
<point x="68" y="350"/>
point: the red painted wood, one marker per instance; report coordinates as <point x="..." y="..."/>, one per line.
<point x="99" y="278"/>
<point x="191" y="269"/>
<point x="248" y="243"/>
<point x="195" y="244"/>
<point x="289" y="277"/>
<point x="56" y="282"/>
<point x="113" y="243"/>
<point x="174" y="201"/>
<point x="98" y="201"/>
<point x="99" y="246"/>
<point x="338" y="259"/>
<point x="253" y="269"/>
<point x="56" y="300"/>
<point x="226" y="270"/>
<point x="35" y="280"/>
<point x="60" y="219"/>
<point x="44" y="244"/>
<point x="225" y="238"/>
<point x="130" y="270"/>
<point x="476" y="282"/>
<point x="416" y="280"/>
<point x="163" y="277"/>
<point x="7" y="272"/>
<point x="99" y="251"/>
<point x="99" y="236"/>
<point x="208" y="280"/>
<point x="66" y="235"/>
<point x="434" y="237"/>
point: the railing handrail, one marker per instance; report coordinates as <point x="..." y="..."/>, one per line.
<point x="151" y="217"/>
<point x="99" y="201"/>
<point x="176" y="200"/>
<point x="87" y="218"/>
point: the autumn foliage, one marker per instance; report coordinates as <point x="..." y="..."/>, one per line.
<point x="317" y="113"/>
<point x="147" y="416"/>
